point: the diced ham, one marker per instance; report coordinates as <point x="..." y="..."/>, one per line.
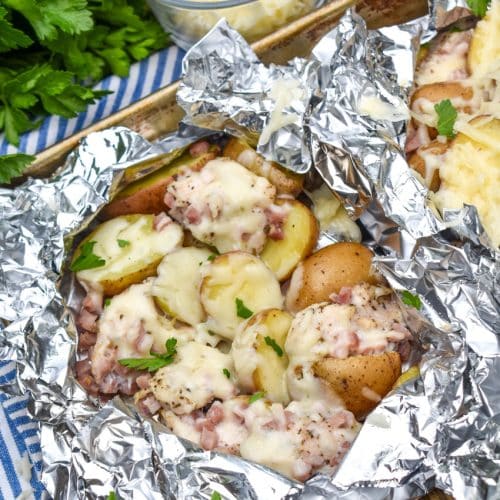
<point x="169" y="199"/>
<point x="161" y="221"/>
<point x="199" y="148"/>
<point x="276" y="216"/>
<point x="86" y="340"/>
<point x="208" y="439"/>
<point x="87" y="320"/>
<point x="343" y="297"/>
<point x="149" y="405"/>
<point x="216" y="413"/>
<point x="93" y="302"/>
<point x="142" y="380"/>
<point x="192" y="215"/>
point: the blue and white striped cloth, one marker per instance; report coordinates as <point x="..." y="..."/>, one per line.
<point x="18" y="434"/>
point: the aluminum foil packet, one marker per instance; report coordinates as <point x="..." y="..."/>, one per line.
<point x="437" y="431"/>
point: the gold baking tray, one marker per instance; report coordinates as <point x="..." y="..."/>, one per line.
<point x="157" y="114"/>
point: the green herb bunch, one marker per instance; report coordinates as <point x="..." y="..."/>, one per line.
<point x="52" y="51"/>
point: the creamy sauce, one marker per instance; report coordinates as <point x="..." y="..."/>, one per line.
<point x="223" y="205"/>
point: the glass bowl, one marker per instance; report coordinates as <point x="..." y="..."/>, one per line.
<point x="188" y="20"/>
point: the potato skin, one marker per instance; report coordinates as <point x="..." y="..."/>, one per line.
<point x="417" y="161"/>
<point x="349" y="378"/>
<point x="327" y="271"/>
<point x="437" y="92"/>
<point x="286" y="182"/>
<point x="146" y="195"/>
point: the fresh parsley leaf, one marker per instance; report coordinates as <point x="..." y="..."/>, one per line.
<point x="478" y="7"/>
<point x="272" y="343"/>
<point x="216" y="496"/>
<point x="226" y="372"/>
<point x="154" y="363"/>
<point x="107" y="302"/>
<point x="10" y="37"/>
<point x="123" y="243"/>
<point x="241" y="310"/>
<point x="256" y="396"/>
<point x="48" y="16"/>
<point x="13" y="165"/>
<point x="447" y="114"/>
<point x="112" y="496"/>
<point x="211" y="257"/>
<point x="411" y="300"/>
<point x="87" y="259"/>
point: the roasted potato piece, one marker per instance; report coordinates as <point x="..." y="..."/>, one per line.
<point x="145" y="196"/>
<point x="286" y="182"/>
<point x="237" y="285"/>
<point x="426" y="161"/>
<point x="300" y="234"/>
<point x="425" y="97"/>
<point x="361" y="381"/>
<point x="326" y="272"/>
<point x="177" y="286"/>
<point x="131" y="248"/>
<point x="484" y="50"/>
<point x="261" y="365"/>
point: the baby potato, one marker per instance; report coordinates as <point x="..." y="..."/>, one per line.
<point x="327" y="271"/>
<point x="437" y="92"/>
<point x="261" y="365"/>
<point x="177" y="287"/>
<point x="361" y="381"/>
<point x="424" y="159"/>
<point x="286" y="182"/>
<point x="145" y="196"/>
<point x="235" y="286"/>
<point x="300" y="232"/>
<point x="131" y="249"/>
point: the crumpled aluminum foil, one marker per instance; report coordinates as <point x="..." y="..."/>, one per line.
<point x="440" y="430"/>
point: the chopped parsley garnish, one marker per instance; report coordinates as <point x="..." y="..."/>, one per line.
<point x="241" y="310"/>
<point x="226" y="372"/>
<point x="87" y="258"/>
<point x="107" y="302"/>
<point x="478" y="7"/>
<point x="156" y="362"/>
<point x="216" y="496"/>
<point x="256" y="396"/>
<point x="211" y="257"/>
<point x="272" y="343"/>
<point x="411" y="300"/>
<point x="123" y="243"/>
<point x="447" y="115"/>
<point x="112" y="496"/>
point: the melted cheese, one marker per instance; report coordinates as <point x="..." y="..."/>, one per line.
<point x="227" y="203"/>
<point x="377" y="109"/>
<point x="332" y="215"/>
<point x="194" y="379"/>
<point x="132" y="325"/>
<point x="283" y="93"/>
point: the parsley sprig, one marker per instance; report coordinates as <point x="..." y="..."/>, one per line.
<point x="273" y="344"/>
<point x="154" y="363"/>
<point x="478" y="7"/>
<point x="411" y="300"/>
<point x="87" y="258"/>
<point x="447" y="115"/>
<point x="12" y="166"/>
<point x="256" y="396"/>
<point x="242" y="310"/>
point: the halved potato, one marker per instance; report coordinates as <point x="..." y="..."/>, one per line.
<point x="146" y="195"/>
<point x="326" y="272"/>
<point x="237" y="282"/>
<point x="300" y="232"/>
<point x="177" y="286"/>
<point x="426" y="161"/>
<point x="286" y="182"/>
<point x="361" y="381"/>
<point x="260" y="366"/>
<point x="131" y="249"/>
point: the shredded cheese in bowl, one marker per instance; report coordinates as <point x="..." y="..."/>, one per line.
<point x="253" y="19"/>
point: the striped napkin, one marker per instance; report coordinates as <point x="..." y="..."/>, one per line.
<point x="20" y="457"/>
